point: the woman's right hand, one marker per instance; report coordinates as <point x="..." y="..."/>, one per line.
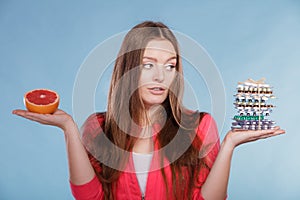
<point x="59" y="118"/>
<point x="80" y="168"/>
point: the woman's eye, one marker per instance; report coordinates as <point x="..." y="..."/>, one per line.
<point x="148" y="65"/>
<point x="170" y="67"/>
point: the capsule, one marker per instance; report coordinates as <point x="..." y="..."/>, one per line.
<point x="255" y="90"/>
<point x="246" y="127"/>
<point x="265" y="98"/>
<point x="265" y="127"/>
<point x="250" y="89"/>
<point x="269" y="91"/>
<point x="240" y="88"/>
<point x="264" y="90"/>
<point x="235" y="123"/>
<point x="252" y="127"/>
<point x="258" y="127"/>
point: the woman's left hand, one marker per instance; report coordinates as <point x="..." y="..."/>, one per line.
<point x="237" y="137"/>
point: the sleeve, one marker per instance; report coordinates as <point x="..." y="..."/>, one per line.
<point x="207" y="131"/>
<point x="91" y="190"/>
<point x="88" y="191"/>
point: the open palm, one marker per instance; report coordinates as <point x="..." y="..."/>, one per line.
<point x="59" y="118"/>
<point x="237" y="137"/>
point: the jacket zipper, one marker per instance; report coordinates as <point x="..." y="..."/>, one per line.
<point x="143" y="197"/>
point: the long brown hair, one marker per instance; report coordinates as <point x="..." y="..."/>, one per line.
<point x="125" y="110"/>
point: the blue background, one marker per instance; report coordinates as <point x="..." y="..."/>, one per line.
<point x="43" y="43"/>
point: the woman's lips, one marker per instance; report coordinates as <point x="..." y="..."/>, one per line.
<point x="156" y="90"/>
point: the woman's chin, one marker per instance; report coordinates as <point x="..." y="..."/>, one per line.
<point x="154" y="103"/>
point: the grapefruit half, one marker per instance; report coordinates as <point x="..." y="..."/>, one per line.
<point x="41" y="101"/>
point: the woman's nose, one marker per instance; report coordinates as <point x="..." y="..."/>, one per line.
<point x="159" y="74"/>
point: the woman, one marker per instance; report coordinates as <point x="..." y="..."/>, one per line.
<point x="147" y="145"/>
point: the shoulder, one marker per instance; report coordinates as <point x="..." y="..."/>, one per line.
<point x="91" y="132"/>
<point x="206" y="121"/>
<point x="208" y="133"/>
<point x="207" y="129"/>
<point x="98" y="117"/>
<point x="201" y="122"/>
<point x="93" y="124"/>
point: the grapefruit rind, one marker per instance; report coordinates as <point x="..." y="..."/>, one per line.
<point x="41" y="109"/>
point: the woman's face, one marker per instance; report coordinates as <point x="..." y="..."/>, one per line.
<point x="158" y="72"/>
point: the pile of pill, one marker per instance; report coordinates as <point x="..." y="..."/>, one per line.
<point x="252" y="102"/>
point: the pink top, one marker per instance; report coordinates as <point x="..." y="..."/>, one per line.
<point x="127" y="184"/>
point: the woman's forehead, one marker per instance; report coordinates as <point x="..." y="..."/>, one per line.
<point x="160" y="46"/>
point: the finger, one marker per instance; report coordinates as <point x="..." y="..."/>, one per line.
<point x="25" y="113"/>
<point x="278" y="132"/>
<point x="29" y="116"/>
<point x="35" y="119"/>
<point x="239" y="130"/>
<point x="18" y="112"/>
<point x="41" y="118"/>
<point x="267" y="135"/>
<point x="58" y="111"/>
<point x="258" y="133"/>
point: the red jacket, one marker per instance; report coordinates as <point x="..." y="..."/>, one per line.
<point x="127" y="184"/>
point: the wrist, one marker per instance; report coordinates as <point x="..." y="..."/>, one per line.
<point x="228" y="144"/>
<point x="69" y="127"/>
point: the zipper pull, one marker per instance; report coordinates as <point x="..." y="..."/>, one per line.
<point x="143" y="197"/>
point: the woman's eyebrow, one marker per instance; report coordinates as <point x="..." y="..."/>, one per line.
<point x="150" y="58"/>
<point x="154" y="59"/>
<point x="172" y="58"/>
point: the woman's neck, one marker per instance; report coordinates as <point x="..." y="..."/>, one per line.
<point x="143" y="146"/>
<point x="152" y="114"/>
